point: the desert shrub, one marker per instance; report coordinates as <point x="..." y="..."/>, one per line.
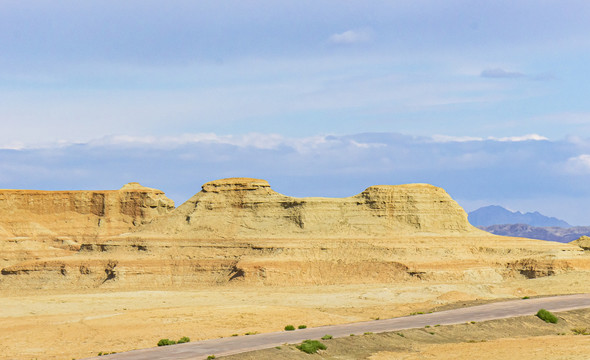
<point x="183" y="340"/>
<point x="326" y="337"/>
<point x="210" y="357"/>
<point x="580" y="331"/>
<point x="302" y="327"/>
<point x="311" y="346"/>
<point x="165" y="342"/>
<point x="546" y="316"/>
<point x="289" y="328"/>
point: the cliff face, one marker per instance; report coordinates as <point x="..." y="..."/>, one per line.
<point x="79" y="214"/>
<point x="240" y="230"/>
<point x="583" y="242"/>
<point x="249" y="208"/>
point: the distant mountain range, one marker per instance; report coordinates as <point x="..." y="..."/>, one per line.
<point x="500" y="221"/>
<point x="558" y="234"/>
<point x="497" y="215"/>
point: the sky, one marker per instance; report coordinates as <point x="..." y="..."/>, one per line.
<point x="321" y="98"/>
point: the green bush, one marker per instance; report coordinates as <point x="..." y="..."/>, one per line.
<point x="165" y="342"/>
<point x="183" y="340"/>
<point x="302" y="326"/>
<point x="311" y="346"/>
<point x="546" y="316"/>
<point x="580" y="331"/>
<point x="289" y="328"/>
<point x="210" y="357"/>
<point x="326" y="337"/>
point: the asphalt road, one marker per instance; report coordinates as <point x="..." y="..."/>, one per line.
<point x="235" y="345"/>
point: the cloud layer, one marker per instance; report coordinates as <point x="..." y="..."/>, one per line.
<point x="523" y="172"/>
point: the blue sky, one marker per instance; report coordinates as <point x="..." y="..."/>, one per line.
<point x="486" y="99"/>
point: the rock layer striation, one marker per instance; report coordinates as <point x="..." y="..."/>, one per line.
<point x="240" y="208"/>
<point x="79" y="214"/>
<point x="239" y="230"/>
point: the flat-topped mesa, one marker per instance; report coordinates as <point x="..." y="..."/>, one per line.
<point x="248" y="208"/>
<point x="237" y="184"/>
<point x="79" y="214"/>
<point x="421" y="207"/>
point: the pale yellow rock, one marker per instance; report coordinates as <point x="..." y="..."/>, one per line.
<point x="79" y="214"/>
<point x="248" y="208"/>
<point x="583" y="242"/>
<point x="239" y="230"/>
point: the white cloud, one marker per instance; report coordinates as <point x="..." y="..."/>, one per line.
<point x="352" y="36"/>
<point x="499" y="73"/>
<point x="579" y="164"/>
<point x="15" y="145"/>
<point x="251" y="140"/>
<point x="254" y="140"/>
<point x="527" y="137"/>
<point x="447" y="138"/>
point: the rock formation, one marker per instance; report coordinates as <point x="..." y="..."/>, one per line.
<point x="239" y="208"/>
<point x="583" y="242"/>
<point x="240" y="230"/>
<point x="79" y="214"/>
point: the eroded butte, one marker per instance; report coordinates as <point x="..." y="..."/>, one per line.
<point x="117" y="270"/>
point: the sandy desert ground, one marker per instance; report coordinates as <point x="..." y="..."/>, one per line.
<point x="58" y="325"/>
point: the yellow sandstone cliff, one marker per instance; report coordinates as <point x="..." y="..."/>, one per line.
<point x="79" y="214"/>
<point x="239" y="230"/>
<point x="244" y="208"/>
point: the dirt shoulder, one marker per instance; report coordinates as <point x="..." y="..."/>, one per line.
<point x="516" y="338"/>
